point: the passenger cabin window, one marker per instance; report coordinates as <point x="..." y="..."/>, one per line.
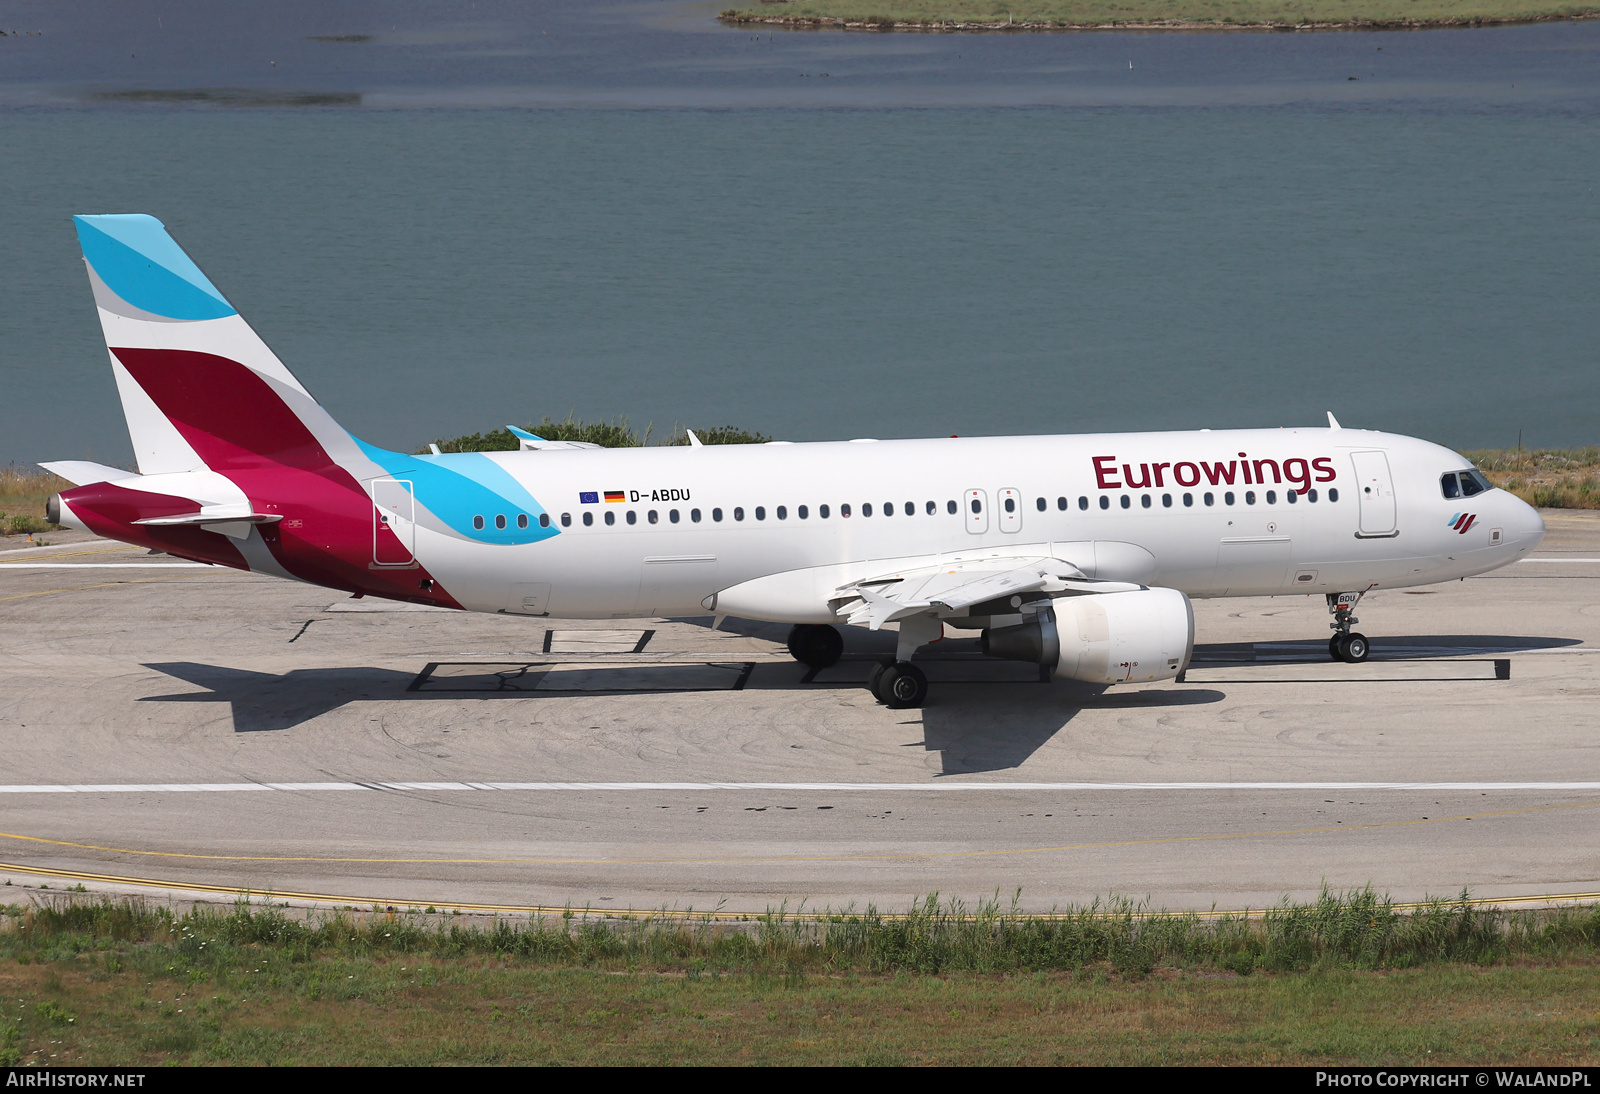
<point x="522" y="520"/>
<point x="588" y="520"/>
<point x="544" y="520"/>
<point x="783" y="512"/>
<point x="951" y="507"/>
<point x="611" y="517"/>
<point x="1083" y="502"/>
<point x="1061" y="504"/>
<point x="1272" y="497"/>
<point x="654" y="517"/>
<point x="673" y="516"/>
<point x="933" y="507"/>
<point x="738" y="512"/>
<point x="1011" y="505"/>
<point x="911" y="508"/>
<point x="1210" y="498"/>
<point x="1333" y="493"/>
<point x="888" y="508"/>
<point x="802" y="512"/>
<point x="844" y="510"/>
<point x="1291" y="496"/>
<point x="822" y="511"/>
<point x="633" y="518"/>
<point x="761" y="512"/>
<point x="500" y="520"/>
<point x="1166" y="501"/>
<point x="1127" y="502"/>
<point x="566" y="520"/>
<point x="1144" y="500"/>
<point x="477" y="523"/>
<point x="1311" y="495"/>
<point x="866" y="508"/>
<point x="1041" y="505"/>
<point x="1188" y="501"/>
<point x="1227" y="497"/>
<point x="694" y="515"/>
<point x="716" y="514"/>
<point x="1105" y="501"/>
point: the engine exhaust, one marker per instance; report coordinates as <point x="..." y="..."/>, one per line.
<point x="1036" y="641"/>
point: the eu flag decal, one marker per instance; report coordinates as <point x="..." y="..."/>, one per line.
<point x="588" y="497"/>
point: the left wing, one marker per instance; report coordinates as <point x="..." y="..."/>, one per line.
<point x="952" y="589"/>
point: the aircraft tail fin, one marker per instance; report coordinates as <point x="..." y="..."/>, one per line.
<point x="199" y="388"/>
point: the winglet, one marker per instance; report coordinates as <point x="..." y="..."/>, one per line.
<point x="523" y="434"/>
<point x="1333" y="423"/>
<point x="694" y="442"/>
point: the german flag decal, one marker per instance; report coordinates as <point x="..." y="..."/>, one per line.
<point x="615" y="495"/>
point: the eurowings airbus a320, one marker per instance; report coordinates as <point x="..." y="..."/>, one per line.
<point x="1080" y="553"/>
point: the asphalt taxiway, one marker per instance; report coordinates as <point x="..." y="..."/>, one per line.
<point x="188" y="730"/>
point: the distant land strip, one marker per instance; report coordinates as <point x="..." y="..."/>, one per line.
<point x="1063" y="15"/>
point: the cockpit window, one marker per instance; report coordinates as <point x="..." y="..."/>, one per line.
<point x="1473" y="482"/>
<point x="1464" y="484"/>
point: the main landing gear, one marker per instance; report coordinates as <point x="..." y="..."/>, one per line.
<point x="896" y="684"/>
<point x="1346" y="645"/>
<point x="816" y="645"/>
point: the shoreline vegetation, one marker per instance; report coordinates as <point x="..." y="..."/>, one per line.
<point x="1546" y="478"/>
<point x="947" y="16"/>
<point x="1348" y="978"/>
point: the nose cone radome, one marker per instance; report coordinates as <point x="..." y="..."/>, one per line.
<point x="1524" y="525"/>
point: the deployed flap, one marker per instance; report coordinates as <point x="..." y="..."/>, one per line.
<point x="950" y="590"/>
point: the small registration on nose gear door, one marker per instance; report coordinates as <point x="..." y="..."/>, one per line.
<point x="1375" y="493"/>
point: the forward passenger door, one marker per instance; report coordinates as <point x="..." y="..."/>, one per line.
<point x="1375" y="493"/>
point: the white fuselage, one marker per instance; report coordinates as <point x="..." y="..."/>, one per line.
<point x="1368" y="511"/>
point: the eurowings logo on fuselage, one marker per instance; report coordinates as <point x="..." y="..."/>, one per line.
<point x="1296" y="471"/>
<point x="1461" y="522"/>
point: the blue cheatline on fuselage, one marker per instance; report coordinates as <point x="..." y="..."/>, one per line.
<point x="458" y="486"/>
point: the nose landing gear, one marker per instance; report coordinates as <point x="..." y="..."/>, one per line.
<point x="1346" y="645"/>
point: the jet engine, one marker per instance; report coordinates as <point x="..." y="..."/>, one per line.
<point x="1103" y="638"/>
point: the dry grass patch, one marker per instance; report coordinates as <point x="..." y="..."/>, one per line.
<point x="1547" y="478"/>
<point x="23" y="492"/>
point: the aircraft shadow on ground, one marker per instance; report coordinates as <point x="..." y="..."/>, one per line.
<point x="976" y="727"/>
<point x="1384" y="648"/>
<point x="262" y="701"/>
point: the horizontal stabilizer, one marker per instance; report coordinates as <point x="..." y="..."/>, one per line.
<point x="82" y="472"/>
<point x="203" y="519"/>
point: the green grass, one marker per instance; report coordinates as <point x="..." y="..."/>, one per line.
<point x="1346" y="979"/>
<point x="1086" y="13"/>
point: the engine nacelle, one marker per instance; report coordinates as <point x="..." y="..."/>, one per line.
<point x="1104" y="638"/>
